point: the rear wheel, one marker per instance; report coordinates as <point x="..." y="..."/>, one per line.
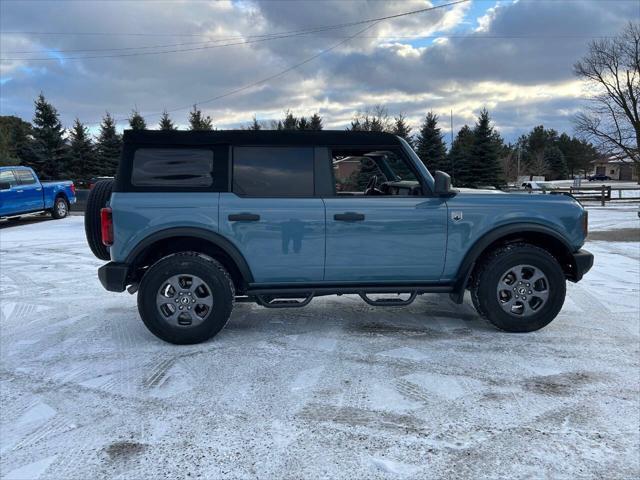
<point x="60" y="208"/>
<point x="98" y="199"/>
<point x="519" y="288"/>
<point x="186" y="298"/>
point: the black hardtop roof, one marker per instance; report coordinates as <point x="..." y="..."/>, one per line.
<point x="259" y="137"/>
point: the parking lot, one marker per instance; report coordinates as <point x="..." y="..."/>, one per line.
<point x="338" y="389"/>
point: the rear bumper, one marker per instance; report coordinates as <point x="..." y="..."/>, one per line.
<point x="583" y="261"/>
<point x="113" y="276"/>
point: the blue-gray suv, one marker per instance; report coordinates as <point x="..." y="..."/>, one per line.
<point x="197" y="220"/>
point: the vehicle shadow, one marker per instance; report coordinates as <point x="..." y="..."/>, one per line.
<point x="24" y="220"/>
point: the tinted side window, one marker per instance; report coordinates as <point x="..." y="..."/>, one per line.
<point x="172" y="167"/>
<point x="25" y="177"/>
<point x="7" y="176"/>
<point x="273" y="171"/>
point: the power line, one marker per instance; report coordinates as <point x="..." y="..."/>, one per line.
<point x="137" y="54"/>
<point x="339" y="25"/>
<point x="273" y="36"/>
<point x="296" y="65"/>
<point x="284" y="35"/>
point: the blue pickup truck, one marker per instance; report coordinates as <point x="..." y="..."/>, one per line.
<point x="21" y="192"/>
<point x="195" y="221"/>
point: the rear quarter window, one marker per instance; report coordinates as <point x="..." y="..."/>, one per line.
<point x="273" y="171"/>
<point x="25" y="177"/>
<point x="172" y="167"/>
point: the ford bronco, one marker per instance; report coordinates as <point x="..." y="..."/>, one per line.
<point x="194" y="221"/>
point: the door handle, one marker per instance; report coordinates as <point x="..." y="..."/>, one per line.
<point x="19" y="191"/>
<point x="244" y="217"/>
<point x="348" y="217"/>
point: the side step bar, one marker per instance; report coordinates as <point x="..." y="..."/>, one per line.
<point x="389" y="301"/>
<point x="289" y="296"/>
<point x="275" y="302"/>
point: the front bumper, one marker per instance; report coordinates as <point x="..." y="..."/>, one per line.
<point x="582" y="261"/>
<point x="113" y="276"/>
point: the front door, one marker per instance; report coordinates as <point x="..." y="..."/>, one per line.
<point x="9" y="197"/>
<point x="380" y="227"/>
<point x="29" y="191"/>
<point x="272" y="215"/>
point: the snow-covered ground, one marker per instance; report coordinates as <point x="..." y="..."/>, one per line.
<point x="335" y="390"/>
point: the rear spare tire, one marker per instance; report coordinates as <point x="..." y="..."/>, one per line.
<point x="98" y="199"/>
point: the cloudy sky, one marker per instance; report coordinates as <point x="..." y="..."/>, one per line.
<point x="513" y="57"/>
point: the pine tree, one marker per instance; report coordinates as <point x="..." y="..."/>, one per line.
<point x="108" y="147"/>
<point x="255" y="125"/>
<point x="290" y="122"/>
<point x="485" y="164"/>
<point x="460" y="157"/>
<point x="316" y="122"/>
<point x="15" y="139"/>
<point x="166" y="123"/>
<point x="47" y="153"/>
<point x="136" y="121"/>
<point x="303" y="124"/>
<point x="81" y="163"/>
<point x="401" y="129"/>
<point x="430" y="145"/>
<point x="199" y="122"/>
<point x="554" y="158"/>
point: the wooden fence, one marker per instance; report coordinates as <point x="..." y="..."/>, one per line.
<point x="602" y="193"/>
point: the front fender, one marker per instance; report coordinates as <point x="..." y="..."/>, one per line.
<point x="474" y="253"/>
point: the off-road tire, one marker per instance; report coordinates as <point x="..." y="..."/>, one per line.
<point x="58" y="213"/>
<point x="487" y="275"/>
<point x="98" y="199"/>
<point x="188" y="263"/>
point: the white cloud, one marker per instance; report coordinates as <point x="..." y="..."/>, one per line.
<point x="517" y="78"/>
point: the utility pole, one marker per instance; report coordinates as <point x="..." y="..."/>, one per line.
<point x="453" y="167"/>
<point x="518" y="167"/>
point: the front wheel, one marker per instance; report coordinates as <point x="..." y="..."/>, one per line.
<point x="186" y="298"/>
<point x="60" y="208"/>
<point x="519" y="288"/>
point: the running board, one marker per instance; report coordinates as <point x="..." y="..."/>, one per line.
<point x="389" y="301"/>
<point x="283" y="302"/>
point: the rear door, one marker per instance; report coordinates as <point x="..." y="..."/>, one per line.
<point x="381" y="227"/>
<point x="29" y="191"/>
<point x="272" y="214"/>
<point x="9" y="203"/>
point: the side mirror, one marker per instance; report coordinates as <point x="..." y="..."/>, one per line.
<point x="443" y="184"/>
<point x="5" y="186"/>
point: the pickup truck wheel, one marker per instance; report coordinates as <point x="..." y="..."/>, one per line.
<point x="519" y="288"/>
<point x="98" y="199"/>
<point x="60" y="208"/>
<point x="186" y="298"/>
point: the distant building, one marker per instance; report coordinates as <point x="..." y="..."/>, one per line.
<point x="617" y="169"/>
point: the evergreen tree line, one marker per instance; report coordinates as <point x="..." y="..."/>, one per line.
<point x="53" y="152"/>
<point x="478" y="155"/>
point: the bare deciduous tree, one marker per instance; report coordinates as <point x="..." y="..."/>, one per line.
<point x="538" y="164"/>
<point x="611" y="71"/>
